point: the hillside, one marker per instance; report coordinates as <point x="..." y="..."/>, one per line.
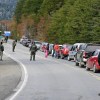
<point x="62" y="21"/>
<point x="7" y="8"/>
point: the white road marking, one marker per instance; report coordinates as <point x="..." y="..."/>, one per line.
<point x="24" y="78"/>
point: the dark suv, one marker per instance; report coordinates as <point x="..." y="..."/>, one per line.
<point x="84" y="53"/>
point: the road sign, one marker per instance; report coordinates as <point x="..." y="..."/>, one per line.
<point x="7" y="33"/>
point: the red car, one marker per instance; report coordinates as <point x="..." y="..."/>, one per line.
<point x="64" y="51"/>
<point x="94" y="61"/>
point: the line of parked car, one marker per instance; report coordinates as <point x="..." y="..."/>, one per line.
<point x="27" y="42"/>
<point x="84" y="54"/>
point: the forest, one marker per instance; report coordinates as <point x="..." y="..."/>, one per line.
<point x="58" y="21"/>
<point x="7" y="8"/>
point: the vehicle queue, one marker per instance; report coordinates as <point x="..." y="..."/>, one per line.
<point x="85" y="55"/>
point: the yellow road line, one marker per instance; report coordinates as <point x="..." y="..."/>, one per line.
<point x="95" y="76"/>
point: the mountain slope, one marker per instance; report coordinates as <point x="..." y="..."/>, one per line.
<point x="7" y="8"/>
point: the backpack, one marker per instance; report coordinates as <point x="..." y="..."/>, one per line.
<point x="14" y="43"/>
<point x="33" y="48"/>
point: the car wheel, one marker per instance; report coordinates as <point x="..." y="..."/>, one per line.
<point x="68" y="58"/>
<point x="76" y="64"/>
<point x="80" y="65"/>
<point x="87" y="68"/>
<point x="94" y="68"/>
<point x="61" y="56"/>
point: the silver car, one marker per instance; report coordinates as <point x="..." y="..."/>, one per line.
<point x="73" y="51"/>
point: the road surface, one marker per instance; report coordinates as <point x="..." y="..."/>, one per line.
<point x="52" y="79"/>
<point x="10" y="76"/>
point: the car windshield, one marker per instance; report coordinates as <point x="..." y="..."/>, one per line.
<point x="92" y="48"/>
<point x="38" y="43"/>
<point x="69" y="47"/>
<point x="44" y="43"/>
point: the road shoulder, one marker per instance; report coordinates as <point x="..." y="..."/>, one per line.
<point x="10" y="76"/>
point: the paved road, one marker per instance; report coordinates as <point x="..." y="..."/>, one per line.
<point x="54" y="79"/>
<point x="10" y="75"/>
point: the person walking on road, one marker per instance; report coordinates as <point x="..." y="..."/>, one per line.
<point x="6" y="39"/>
<point x="33" y="50"/>
<point x="47" y="50"/>
<point x="1" y="50"/>
<point x="13" y="45"/>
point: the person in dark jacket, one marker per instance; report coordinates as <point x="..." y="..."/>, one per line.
<point x="13" y="45"/>
<point x="53" y="50"/>
<point x="1" y="50"/>
<point x="33" y="50"/>
<point x="6" y="39"/>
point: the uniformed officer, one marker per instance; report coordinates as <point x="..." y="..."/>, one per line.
<point x="33" y="50"/>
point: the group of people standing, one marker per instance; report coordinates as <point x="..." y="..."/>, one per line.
<point x="55" y="50"/>
<point x="2" y="47"/>
<point x="33" y="49"/>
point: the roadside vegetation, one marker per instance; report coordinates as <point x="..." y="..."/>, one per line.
<point x="61" y="21"/>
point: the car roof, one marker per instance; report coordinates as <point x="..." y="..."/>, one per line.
<point x="36" y="41"/>
<point x="79" y="43"/>
<point x="98" y="50"/>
